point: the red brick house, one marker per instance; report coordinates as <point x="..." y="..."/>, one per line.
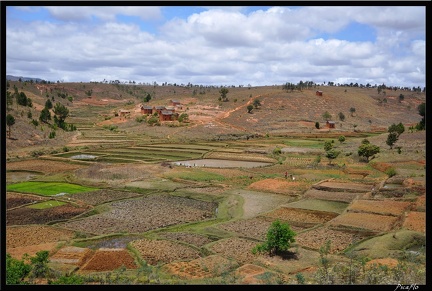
<point x="146" y="109"/>
<point x="331" y="124"/>
<point x="318" y="93"/>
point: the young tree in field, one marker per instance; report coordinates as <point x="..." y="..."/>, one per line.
<point x="332" y="154"/>
<point x="224" y="92"/>
<point x="341" y="139"/>
<point x="9" y="100"/>
<point x="422" y="111"/>
<point x="249" y="108"/>
<point x="256" y="103"/>
<point x="328" y="145"/>
<point x="401" y="98"/>
<point x="368" y="150"/>
<point x="341" y="116"/>
<point x="45" y="115"/>
<point x="279" y="238"/>
<point x="326" y="115"/>
<point x="10" y="120"/>
<point x="61" y="112"/>
<point x="352" y="110"/>
<point x="391" y="139"/>
<point x="317" y="125"/>
<point x="397" y="128"/>
<point x="48" y="104"/>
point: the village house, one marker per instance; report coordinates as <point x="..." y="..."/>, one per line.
<point x="318" y="93"/>
<point x="331" y="124"/>
<point x="168" y="115"/>
<point x="146" y="109"/>
<point x="124" y="112"/>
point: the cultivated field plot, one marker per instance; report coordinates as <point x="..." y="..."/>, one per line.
<point x="254" y="227"/>
<point x="238" y="249"/>
<point x="18" y="199"/>
<point x="193" y="239"/>
<point x="331" y="195"/>
<point x="102" y="196"/>
<point x="163" y="251"/>
<point x="144" y="214"/>
<point x="339" y="240"/>
<point x="365" y="221"/>
<point x="106" y="259"/>
<point x="206" y="267"/>
<point x="384" y="207"/>
<point x="27" y="215"/>
<point x="33" y="238"/>
<point x="279" y="186"/>
<point x="42" y="165"/>
<point x="239" y="156"/>
<point x="301" y="217"/>
<point x="343" y="187"/>
<point x="416" y="221"/>
<point x="70" y="255"/>
<point x="119" y="173"/>
<point x="321" y="205"/>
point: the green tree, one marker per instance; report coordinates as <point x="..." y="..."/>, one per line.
<point x="10" y="120"/>
<point x="61" y="113"/>
<point x="368" y="150"/>
<point x="328" y="145"/>
<point x="279" y="238"/>
<point x="397" y="128"/>
<point x="326" y="115"/>
<point x="9" y="100"/>
<point x="341" y="139"/>
<point x="352" y="110"/>
<point x="317" y="125"/>
<point x="256" y="103"/>
<point x="21" y="99"/>
<point x="332" y="154"/>
<point x="48" y="104"/>
<point x="391" y="139"/>
<point x="16" y="270"/>
<point x="422" y="111"/>
<point x="249" y="108"/>
<point x="341" y="116"/>
<point x="224" y="92"/>
<point x="45" y="115"/>
<point x="401" y="98"/>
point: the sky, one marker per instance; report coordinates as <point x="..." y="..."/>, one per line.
<point x="219" y="45"/>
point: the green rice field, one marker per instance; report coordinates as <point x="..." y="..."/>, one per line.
<point x="48" y="188"/>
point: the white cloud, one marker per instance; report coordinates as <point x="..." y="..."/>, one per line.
<point x="222" y="45"/>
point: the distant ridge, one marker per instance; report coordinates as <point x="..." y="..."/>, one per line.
<point x="15" y="78"/>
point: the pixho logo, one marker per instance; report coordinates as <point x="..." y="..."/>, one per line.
<point x="406" y="287"/>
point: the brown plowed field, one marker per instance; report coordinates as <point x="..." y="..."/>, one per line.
<point x="384" y="207"/>
<point x="108" y="260"/>
<point x="155" y="251"/>
<point x="302" y="216"/>
<point x="366" y="221"/>
<point x="207" y="267"/>
<point x="317" y="238"/>
<point x="331" y="195"/>
<point x="415" y="221"/>
<point x="279" y="186"/>
<point x="238" y="249"/>
<point x="33" y="238"/>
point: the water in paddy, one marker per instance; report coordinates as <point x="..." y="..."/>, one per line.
<point x="215" y="163"/>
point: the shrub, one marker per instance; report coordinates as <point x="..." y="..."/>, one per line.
<point x="391" y="172"/>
